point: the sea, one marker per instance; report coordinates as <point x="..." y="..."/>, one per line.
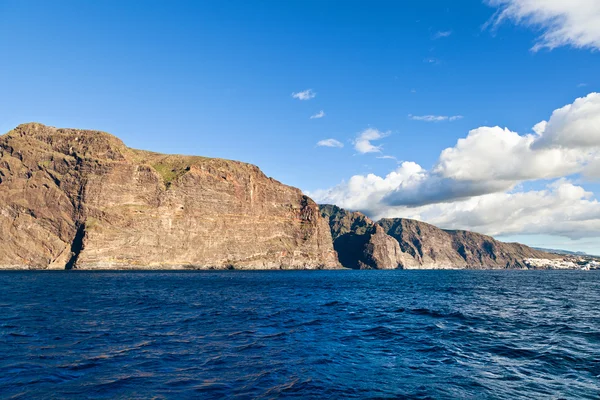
<point x="300" y="334"/>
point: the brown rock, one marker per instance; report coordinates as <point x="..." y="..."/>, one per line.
<point x="404" y="243"/>
<point x="433" y="247"/>
<point x="78" y="198"/>
<point x="360" y="243"/>
<point x="383" y="251"/>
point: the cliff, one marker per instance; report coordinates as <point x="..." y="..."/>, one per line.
<point x="432" y="247"/>
<point x="82" y="199"/>
<point x="410" y="244"/>
<point x="362" y="244"/>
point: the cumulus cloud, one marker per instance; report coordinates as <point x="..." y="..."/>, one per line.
<point x="441" y="34"/>
<point x="562" y="146"/>
<point x="434" y="118"/>
<point x="320" y="114"/>
<point x="365" y="192"/>
<point x="494" y="153"/>
<point x="329" y="143"/>
<point x="433" y="189"/>
<point x="304" y="95"/>
<point x="477" y="184"/>
<point x="363" y="144"/>
<point x="561" y="22"/>
<point x="575" y="125"/>
<point x="562" y="208"/>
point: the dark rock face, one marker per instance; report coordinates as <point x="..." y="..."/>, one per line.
<point x="360" y="243"/>
<point x="82" y="199"/>
<point x="404" y="243"/>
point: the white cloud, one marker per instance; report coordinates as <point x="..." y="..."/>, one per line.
<point x="320" y="114"/>
<point x="366" y="192"/>
<point x="304" y="95"/>
<point x="441" y="34"/>
<point x="408" y="186"/>
<point x="363" y="144"/>
<point x="561" y="209"/>
<point x="564" y="145"/>
<point x="493" y="153"/>
<point x="592" y="170"/>
<point x="329" y="143"/>
<point x="562" y="22"/>
<point x="477" y="184"/>
<point x="434" y="118"/>
<point x="575" y="125"/>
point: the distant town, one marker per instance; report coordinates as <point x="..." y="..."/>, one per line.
<point x="576" y="262"/>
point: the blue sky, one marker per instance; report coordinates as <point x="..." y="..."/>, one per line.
<point x="215" y="79"/>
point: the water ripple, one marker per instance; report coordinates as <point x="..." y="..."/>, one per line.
<point x="320" y="334"/>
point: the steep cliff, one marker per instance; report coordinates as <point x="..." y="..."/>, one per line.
<point x="433" y="247"/>
<point x="82" y="199"/>
<point x="362" y="244"/>
<point x="404" y="243"/>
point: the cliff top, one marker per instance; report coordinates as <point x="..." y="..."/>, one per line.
<point x="35" y="137"/>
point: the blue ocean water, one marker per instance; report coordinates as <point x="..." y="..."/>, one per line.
<point x="303" y="334"/>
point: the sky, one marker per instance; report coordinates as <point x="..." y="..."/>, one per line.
<point x="474" y="114"/>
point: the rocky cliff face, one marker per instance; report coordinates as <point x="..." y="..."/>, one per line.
<point x="432" y="247"/>
<point x="82" y="199"/>
<point x="361" y="243"/>
<point x="405" y="243"/>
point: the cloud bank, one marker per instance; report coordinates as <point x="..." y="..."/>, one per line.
<point x="478" y="183"/>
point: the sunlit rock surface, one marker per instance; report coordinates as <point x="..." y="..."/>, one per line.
<point x="82" y="199"/>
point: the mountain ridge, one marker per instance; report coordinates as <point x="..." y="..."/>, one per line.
<point x="421" y="245"/>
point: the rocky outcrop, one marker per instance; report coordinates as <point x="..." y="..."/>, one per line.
<point x="82" y="199"/>
<point x="432" y="247"/>
<point x="362" y="244"/>
<point x="404" y="243"/>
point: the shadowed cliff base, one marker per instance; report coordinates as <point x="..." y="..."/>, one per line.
<point x="76" y="247"/>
